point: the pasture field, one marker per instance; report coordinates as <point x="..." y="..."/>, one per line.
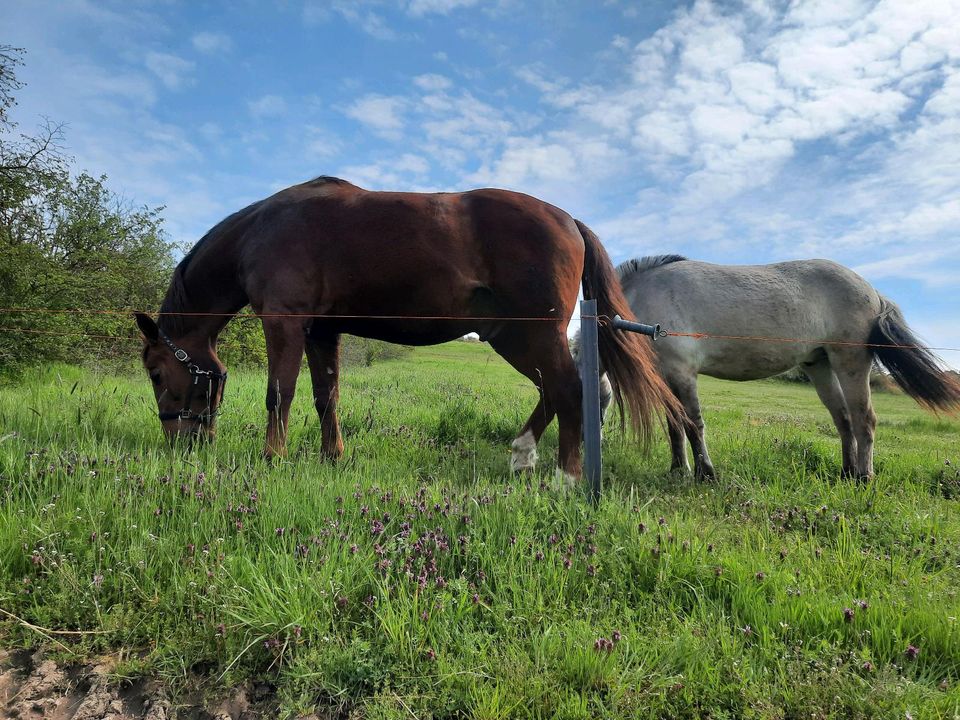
<point x="416" y="578"/>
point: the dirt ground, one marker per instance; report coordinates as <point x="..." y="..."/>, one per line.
<point x="33" y="687"/>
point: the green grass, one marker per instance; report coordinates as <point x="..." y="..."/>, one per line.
<point x="416" y="577"/>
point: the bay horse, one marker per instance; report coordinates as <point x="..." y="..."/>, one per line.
<point x="840" y="323"/>
<point x="326" y="257"/>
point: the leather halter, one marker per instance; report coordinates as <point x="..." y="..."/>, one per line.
<point x="216" y="382"/>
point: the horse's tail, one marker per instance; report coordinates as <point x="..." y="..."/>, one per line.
<point x="626" y="357"/>
<point x="917" y="370"/>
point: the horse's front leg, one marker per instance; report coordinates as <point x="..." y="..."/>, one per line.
<point x="323" y="356"/>
<point x="285" y="343"/>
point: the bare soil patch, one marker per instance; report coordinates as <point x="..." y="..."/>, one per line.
<point x="33" y="687"/>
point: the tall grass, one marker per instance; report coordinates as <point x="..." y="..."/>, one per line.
<point x="417" y="576"/>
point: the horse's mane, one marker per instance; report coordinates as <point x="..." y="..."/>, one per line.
<point x="322" y="179"/>
<point x="648" y="262"/>
<point x="177" y="298"/>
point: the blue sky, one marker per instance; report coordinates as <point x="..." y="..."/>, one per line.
<point x="738" y="132"/>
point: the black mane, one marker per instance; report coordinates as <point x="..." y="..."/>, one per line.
<point x="330" y="179"/>
<point x="177" y="299"/>
<point x="648" y="262"/>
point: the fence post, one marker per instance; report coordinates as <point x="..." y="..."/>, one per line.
<point x="590" y="379"/>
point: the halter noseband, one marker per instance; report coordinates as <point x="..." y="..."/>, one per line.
<point x="204" y="418"/>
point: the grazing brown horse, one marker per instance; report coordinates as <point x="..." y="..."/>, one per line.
<point x="327" y="257"/>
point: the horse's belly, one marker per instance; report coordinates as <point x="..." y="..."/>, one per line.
<point x="744" y="360"/>
<point x="424" y="332"/>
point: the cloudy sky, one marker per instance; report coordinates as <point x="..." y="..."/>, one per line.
<point x="737" y="132"/>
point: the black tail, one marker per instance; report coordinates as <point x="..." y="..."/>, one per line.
<point x="917" y="370"/>
<point x="626" y="357"/>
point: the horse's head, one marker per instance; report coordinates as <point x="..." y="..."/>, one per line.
<point x="188" y="380"/>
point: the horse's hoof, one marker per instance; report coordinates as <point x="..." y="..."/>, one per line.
<point x="523" y="457"/>
<point x="333" y="455"/>
<point x="563" y="481"/>
<point x="273" y="455"/>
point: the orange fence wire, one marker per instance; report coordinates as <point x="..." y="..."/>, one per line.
<point x="602" y="318"/>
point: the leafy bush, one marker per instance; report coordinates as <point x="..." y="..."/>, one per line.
<point x="67" y="242"/>
<point x="365" y="352"/>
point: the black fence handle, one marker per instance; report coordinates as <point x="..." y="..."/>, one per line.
<point x="652" y="331"/>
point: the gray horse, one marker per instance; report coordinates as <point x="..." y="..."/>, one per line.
<point x="840" y="323"/>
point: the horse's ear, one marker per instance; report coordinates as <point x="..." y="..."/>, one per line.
<point x="148" y="327"/>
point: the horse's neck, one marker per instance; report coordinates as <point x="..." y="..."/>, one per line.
<point x="204" y="298"/>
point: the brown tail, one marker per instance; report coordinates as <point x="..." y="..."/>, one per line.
<point x="627" y="357"/>
<point x="917" y="370"/>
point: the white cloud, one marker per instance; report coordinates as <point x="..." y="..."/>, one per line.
<point x="528" y="161"/>
<point x="461" y="121"/>
<point x="755" y="86"/>
<point x="173" y="71"/>
<point x="723" y="124"/>
<point x="212" y="43"/>
<point x="432" y="82"/>
<point x="440" y="7"/>
<point x="320" y="143"/>
<point x="662" y="132"/>
<point x="721" y="101"/>
<point x="928" y="266"/>
<point x="358" y="13"/>
<point x="267" y="106"/>
<point x="408" y="171"/>
<point x="552" y="167"/>
<point x="381" y="113"/>
<point x="96" y="85"/>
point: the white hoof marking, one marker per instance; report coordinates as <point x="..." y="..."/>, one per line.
<point x="524" y="455"/>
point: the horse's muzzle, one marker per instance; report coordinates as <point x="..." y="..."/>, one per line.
<point x="189" y="433"/>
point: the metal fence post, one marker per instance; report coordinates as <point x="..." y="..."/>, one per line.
<point x="590" y="379"/>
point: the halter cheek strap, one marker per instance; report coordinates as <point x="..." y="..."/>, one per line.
<point x="215" y="381"/>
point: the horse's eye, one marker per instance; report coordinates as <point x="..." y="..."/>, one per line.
<point x="155" y="377"/>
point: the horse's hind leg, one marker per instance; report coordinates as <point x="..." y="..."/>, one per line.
<point x="323" y="357"/>
<point x="825" y="381"/>
<point x="852" y="366"/>
<point x="523" y="455"/>
<point x="685" y="388"/>
<point x="543" y="356"/>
